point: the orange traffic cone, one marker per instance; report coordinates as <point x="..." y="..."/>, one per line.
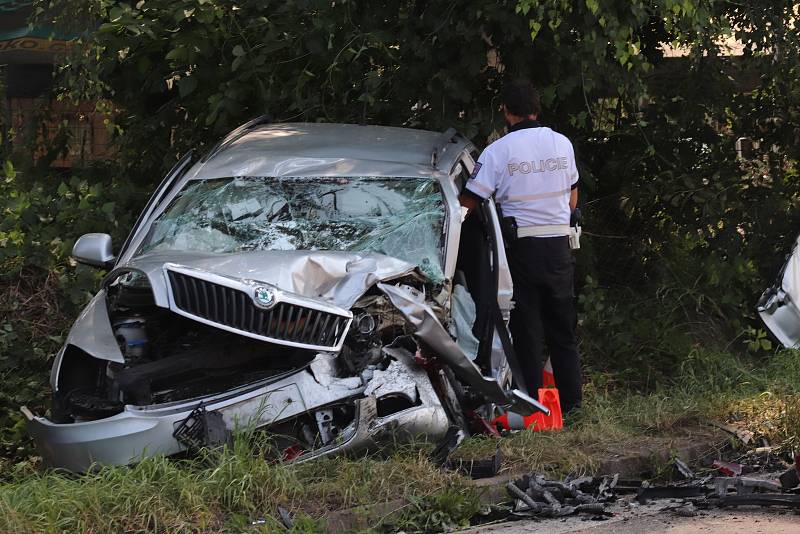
<point x="537" y="421"/>
<point x="550" y="398"/>
<point x="548" y="378"/>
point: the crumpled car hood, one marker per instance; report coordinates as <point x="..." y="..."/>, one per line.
<point x="337" y="277"/>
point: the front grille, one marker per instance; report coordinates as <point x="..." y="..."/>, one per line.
<point x="235" y="309"/>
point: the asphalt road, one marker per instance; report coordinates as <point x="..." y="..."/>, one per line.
<point x="659" y="518"/>
<point x="723" y="522"/>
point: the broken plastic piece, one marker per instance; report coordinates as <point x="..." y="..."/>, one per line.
<point x="789" y="479"/>
<point x="728" y="468"/>
<point x="742" y="485"/>
<point x="449" y="443"/>
<point x="477" y="469"/>
<point x="202" y="429"/>
<point x="683" y="469"/>
<point x="669" y="492"/>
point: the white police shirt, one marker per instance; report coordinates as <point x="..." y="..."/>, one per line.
<point x="531" y="171"/>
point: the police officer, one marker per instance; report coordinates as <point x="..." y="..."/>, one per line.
<point x="532" y="174"/>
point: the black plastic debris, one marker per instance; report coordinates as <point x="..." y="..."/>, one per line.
<point x="605" y="492"/>
<point x="790" y="479"/>
<point x="761" y="499"/>
<point x="536" y="496"/>
<point x="476" y="469"/>
<point x="645" y="495"/>
<point x="202" y="429"/>
<point x="449" y="443"/>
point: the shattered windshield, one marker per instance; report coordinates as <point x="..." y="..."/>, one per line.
<point x="399" y="217"/>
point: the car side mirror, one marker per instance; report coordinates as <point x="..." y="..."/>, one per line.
<point x="94" y="250"/>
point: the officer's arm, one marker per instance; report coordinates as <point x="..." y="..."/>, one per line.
<point x="481" y="183"/>
<point x="468" y="201"/>
<point x="573" y="199"/>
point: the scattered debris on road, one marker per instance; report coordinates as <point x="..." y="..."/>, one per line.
<point x="536" y="496"/>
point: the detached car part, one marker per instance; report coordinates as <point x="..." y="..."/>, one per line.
<point x="778" y="305"/>
<point x="314" y="281"/>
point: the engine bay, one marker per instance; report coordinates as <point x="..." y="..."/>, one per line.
<point x="169" y="358"/>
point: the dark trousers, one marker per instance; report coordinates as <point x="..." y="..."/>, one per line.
<point x="542" y="269"/>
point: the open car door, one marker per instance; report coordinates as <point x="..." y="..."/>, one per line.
<point x="779" y="306"/>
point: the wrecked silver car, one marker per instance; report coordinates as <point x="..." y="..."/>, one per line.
<point x="779" y="305"/>
<point x="315" y="281"/>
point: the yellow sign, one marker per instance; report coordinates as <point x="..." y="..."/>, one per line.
<point x="33" y="44"/>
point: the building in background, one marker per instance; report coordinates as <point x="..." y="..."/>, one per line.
<point x="28" y="55"/>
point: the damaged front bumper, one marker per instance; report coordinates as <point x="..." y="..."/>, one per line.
<point x="140" y="432"/>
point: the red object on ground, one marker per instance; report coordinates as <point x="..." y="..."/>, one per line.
<point x="727" y="468"/>
<point x="292" y="452"/>
<point x="538" y="421"/>
<point x="479" y="425"/>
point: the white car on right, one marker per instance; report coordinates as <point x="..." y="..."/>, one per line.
<point x="779" y="306"/>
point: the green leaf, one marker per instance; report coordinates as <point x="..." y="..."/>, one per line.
<point x="238" y="51"/>
<point x="187" y="85"/>
<point x="176" y="54"/>
<point x="8" y="169"/>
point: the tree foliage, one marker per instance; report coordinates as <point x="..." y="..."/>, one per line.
<point x="187" y="71"/>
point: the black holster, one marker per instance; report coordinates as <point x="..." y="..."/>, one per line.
<point x="508" y="226"/>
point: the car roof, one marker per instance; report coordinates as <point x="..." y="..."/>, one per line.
<point x="321" y="149"/>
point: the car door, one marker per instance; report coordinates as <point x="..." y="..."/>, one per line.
<point x="779" y="305"/>
<point x="494" y="286"/>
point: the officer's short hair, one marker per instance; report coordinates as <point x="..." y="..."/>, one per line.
<point x="521" y="99"/>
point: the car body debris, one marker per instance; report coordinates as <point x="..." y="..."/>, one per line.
<point x="790" y="479"/>
<point x="536" y="496"/>
<point x="683" y="469"/>
<point x="477" y="468"/>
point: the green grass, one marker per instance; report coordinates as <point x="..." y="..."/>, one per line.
<point x="228" y="491"/>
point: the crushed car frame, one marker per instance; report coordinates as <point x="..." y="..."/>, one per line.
<point x="317" y="281"/>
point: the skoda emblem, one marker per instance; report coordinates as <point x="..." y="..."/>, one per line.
<point x="264" y="297"/>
